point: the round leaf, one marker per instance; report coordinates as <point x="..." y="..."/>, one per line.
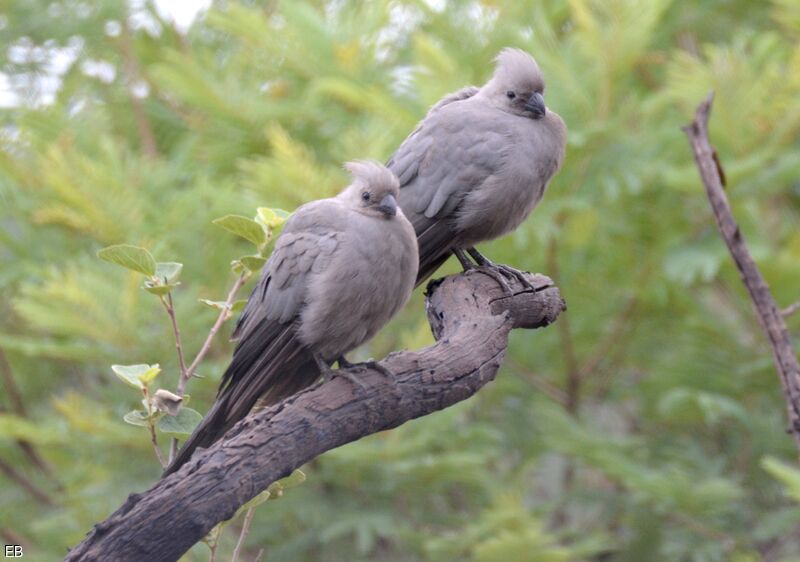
<point x="271" y="218"/>
<point x="169" y="271"/>
<point x="136" y="417"/>
<point x="243" y="227"/>
<point x="253" y="263"/>
<point x="181" y="425"/>
<point x="159" y="288"/>
<point x="136" y="376"/>
<point x="130" y="257"/>
<point x="219" y="305"/>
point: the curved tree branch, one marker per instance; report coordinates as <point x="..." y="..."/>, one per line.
<point x="470" y="317"/>
<point x="769" y="315"/>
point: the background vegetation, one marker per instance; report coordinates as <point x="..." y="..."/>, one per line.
<point x="646" y="425"/>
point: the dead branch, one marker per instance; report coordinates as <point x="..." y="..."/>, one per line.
<point x="470" y="317"/>
<point x="769" y="315"/>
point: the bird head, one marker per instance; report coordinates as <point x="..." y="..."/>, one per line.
<point x="517" y="85"/>
<point x="374" y="189"/>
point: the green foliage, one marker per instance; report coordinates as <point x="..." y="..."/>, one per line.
<point x="130" y="257"/>
<point x="181" y="424"/>
<point x="137" y="376"/>
<point x="244" y="227"/>
<point x="671" y="446"/>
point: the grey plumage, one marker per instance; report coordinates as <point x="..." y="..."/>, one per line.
<point x="341" y="268"/>
<point x="479" y="162"/>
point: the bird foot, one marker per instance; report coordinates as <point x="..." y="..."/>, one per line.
<point x="375" y="366"/>
<point x="343" y="362"/>
<point x="368" y="364"/>
<point x="350" y="377"/>
<point x="520" y="276"/>
<point x="498" y="275"/>
<point x="496" y="270"/>
<point x="328" y="374"/>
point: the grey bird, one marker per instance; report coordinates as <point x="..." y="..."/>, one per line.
<point x="478" y="163"/>
<point x="341" y="268"/>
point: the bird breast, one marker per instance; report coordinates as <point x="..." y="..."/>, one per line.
<point x="368" y="279"/>
<point x="506" y="198"/>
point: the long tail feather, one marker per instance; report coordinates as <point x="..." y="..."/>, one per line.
<point x="268" y="366"/>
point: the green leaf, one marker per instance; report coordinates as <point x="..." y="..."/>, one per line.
<point x="276" y="489"/>
<point x="168" y="271"/>
<point x="136" y="376"/>
<point x="273" y="491"/>
<point x="254" y="502"/>
<point x="296" y="478"/>
<point x="238" y="305"/>
<point x="219" y="305"/>
<point x="136" y="417"/>
<point x="130" y="257"/>
<point x="181" y="425"/>
<point x="789" y="475"/>
<point x="243" y="227"/>
<point x="271" y="218"/>
<point x="158" y="288"/>
<point x="253" y="263"/>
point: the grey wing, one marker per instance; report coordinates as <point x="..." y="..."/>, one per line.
<point x="452" y="152"/>
<point x="304" y="248"/>
<point x="460" y="95"/>
<point x="404" y="162"/>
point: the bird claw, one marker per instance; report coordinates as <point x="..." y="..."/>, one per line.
<point x="499" y="272"/>
<point x="375" y="366"/>
<point x="498" y="275"/>
<point x="520" y="276"/>
<point x="368" y="364"/>
<point x="350" y="377"/>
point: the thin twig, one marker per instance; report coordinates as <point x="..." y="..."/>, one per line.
<point x="245" y="529"/>
<point x="538" y="382"/>
<point x="170" y="308"/>
<point x="720" y="537"/>
<point x="36" y="493"/>
<point x="154" y="441"/>
<point x="613" y="336"/>
<point x="573" y="379"/>
<point x="11" y="537"/>
<point x="767" y="310"/>
<point x="223" y="315"/>
<point x="791" y="309"/>
<point x="184" y="374"/>
<point x="187" y="372"/>
<point x="259" y="555"/>
<point x="10" y="386"/>
<point x="18" y="407"/>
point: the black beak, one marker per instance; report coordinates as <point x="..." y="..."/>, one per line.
<point x="535" y="105"/>
<point x="388" y="206"/>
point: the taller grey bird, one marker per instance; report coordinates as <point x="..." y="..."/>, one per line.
<point x="478" y="163"/>
<point x="341" y="268"/>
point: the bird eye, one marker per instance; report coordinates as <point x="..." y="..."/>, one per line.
<point x="365" y="195"/>
<point x="511" y="95"/>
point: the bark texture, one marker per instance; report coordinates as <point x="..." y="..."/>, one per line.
<point x="769" y="315"/>
<point x="470" y="317"/>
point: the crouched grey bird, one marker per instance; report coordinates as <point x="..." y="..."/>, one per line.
<point x="341" y="268"/>
<point x="478" y="163"/>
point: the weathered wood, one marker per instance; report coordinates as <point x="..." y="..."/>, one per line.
<point x="769" y="315"/>
<point x="470" y="317"/>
